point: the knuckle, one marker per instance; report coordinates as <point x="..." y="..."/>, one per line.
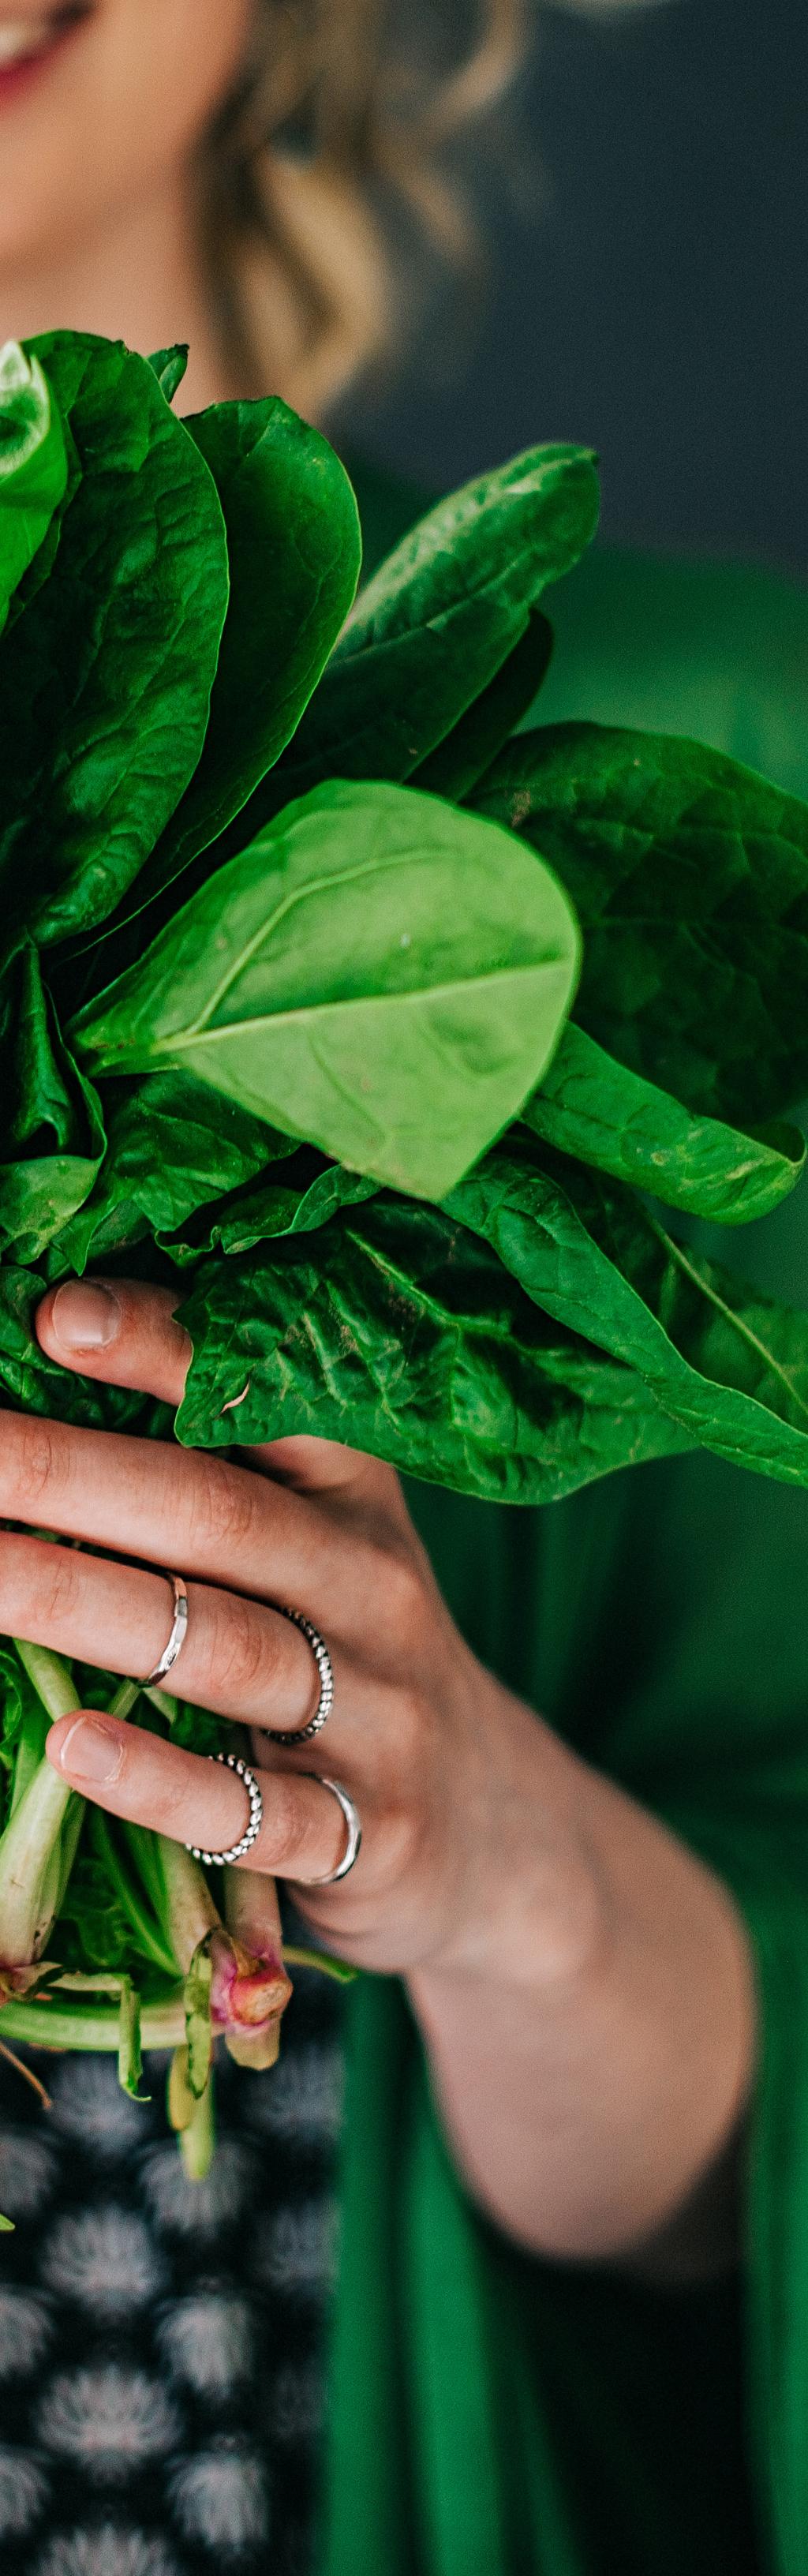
<point x="222" y="1504"/>
<point x="34" y="1461"/>
<point x="397" y="1584"/>
<point x="236" y="1654"/>
<point x="282" y="1825"/>
<point x="59" y="1583"/>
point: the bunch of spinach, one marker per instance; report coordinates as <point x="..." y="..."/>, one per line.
<point x="390" y="1030"/>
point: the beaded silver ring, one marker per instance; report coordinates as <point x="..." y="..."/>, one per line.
<point x="303" y="1734"/>
<point x="224" y="1859"/>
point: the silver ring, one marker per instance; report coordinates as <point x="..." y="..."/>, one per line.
<point x="303" y="1734"/>
<point x="177" y="1637"/>
<point x="354" y="1842"/>
<point x="223" y="1859"/>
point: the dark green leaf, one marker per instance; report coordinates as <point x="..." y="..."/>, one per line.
<point x="295" y="1200"/>
<point x="169" y="366"/>
<point x="294" y="550"/>
<point x="380" y="974"/>
<point x="33" y="466"/>
<point x="439" y="618"/>
<point x="591" y="1106"/>
<point x="94" y="1932"/>
<point x="173" y="1146"/>
<point x="395" y="1332"/>
<point x="456" y="764"/>
<point x="690" y="878"/>
<point x="106" y="675"/>
<point x="729" y="1365"/>
<point x="51" y="1130"/>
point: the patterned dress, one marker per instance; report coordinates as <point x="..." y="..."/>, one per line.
<point x="161" y="2342"/>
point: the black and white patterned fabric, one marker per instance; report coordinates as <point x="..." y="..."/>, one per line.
<point x="161" y="2342"/>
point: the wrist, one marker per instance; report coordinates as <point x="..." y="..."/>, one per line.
<point x="531" y="1905"/>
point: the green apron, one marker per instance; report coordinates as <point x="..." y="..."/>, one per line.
<point x="492" y="2414"/>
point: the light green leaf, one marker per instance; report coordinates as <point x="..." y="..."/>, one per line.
<point x="379" y="974"/>
<point x="592" y="1107"/>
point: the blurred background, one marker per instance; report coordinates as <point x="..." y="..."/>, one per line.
<point x="647" y="211"/>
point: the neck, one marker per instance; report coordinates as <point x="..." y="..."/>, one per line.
<point x="139" y="282"/>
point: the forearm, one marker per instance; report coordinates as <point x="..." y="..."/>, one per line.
<point x="593" y="2056"/>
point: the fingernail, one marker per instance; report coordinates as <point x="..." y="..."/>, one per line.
<point x="85" y="1316"/>
<point x="91" y="1751"/>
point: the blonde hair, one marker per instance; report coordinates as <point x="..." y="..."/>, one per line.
<point x="326" y="131"/>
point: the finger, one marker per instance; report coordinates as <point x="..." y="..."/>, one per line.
<point x="132" y="1774"/>
<point x="238" y="1658"/>
<point x="119" y="1330"/>
<point x="183" y="1509"/>
<point x="125" y="1332"/>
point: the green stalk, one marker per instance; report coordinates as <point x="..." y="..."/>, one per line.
<point x="35" y="1857"/>
<point x="72" y="2018"/>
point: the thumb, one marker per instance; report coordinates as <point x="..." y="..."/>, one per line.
<point x="119" y="1330"/>
<point x="125" y="1333"/>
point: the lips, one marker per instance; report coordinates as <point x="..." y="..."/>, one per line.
<point x="27" y="40"/>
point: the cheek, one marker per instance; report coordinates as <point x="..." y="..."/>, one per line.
<point x="118" y="109"/>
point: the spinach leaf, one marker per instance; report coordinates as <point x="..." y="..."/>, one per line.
<point x="728" y="1364"/>
<point x="464" y="754"/>
<point x="592" y="1107"/>
<point x="298" y="1199"/>
<point x="395" y="1331"/>
<point x="51" y="1130"/>
<point x="689" y="875"/>
<point x="173" y="1147"/>
<point x="169" y="366"/>
<point x="33" y="466"/>
<point x="106" y="675"/>
<point x="294" y="550"/>
<point x="440" y="617"/>
<point x="379" y="974"/>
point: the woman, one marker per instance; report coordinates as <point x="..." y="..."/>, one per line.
<point x="574" y="1743"/>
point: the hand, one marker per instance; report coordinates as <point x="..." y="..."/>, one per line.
<point x="441" y="1762"/>
<point x="582" y="1981"/>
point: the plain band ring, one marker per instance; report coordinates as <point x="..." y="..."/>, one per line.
<point x="303" y="1734"/>
<point x="354" y="1842"/>
<point x="224" y="1859"/>
<point x="177" y="1637"/>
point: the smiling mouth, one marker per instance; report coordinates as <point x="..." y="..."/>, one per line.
<point x="25" y="41"/>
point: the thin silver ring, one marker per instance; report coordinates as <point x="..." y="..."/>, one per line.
<point x="303" y="1734"/>
<point x="354" y="1842"/>
<point x="177" y="1637"/>
<point x="224" y="1859"/>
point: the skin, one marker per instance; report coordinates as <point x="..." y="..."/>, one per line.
<point x="105" y="238"/>
<point x="582" y="1982"/>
